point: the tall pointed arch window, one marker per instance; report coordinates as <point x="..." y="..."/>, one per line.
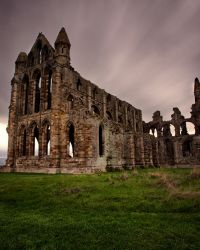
<point x="39" y="51"/>
<point x="46" y="139"/>
<point x="37" y="78"/>
<point x="101" y="141"/>
<point x="49" y="91"/>
<point x="36" y="141"/>
<point x="70" y="101"/>
<point x="26" y="93"/>
<point x="70" y="140"/>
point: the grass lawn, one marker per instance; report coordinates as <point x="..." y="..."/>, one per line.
<point x="141" y="209"/>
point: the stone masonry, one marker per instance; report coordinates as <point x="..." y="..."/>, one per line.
<point x="60" y="122"/>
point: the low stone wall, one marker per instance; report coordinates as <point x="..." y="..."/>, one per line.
<point x="53" y="170"/>
<point x="4" y="169"/>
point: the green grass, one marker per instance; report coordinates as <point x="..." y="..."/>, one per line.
<point x="144" y="209"/>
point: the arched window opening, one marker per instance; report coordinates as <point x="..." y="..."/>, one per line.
<point x="37" y="92"/>
<point x="63" y="50"/>
<point x="78" y="85"/>
<point x="70" y="100"/>
<point x="49" y="93"/>
<point x="119" y="105"/>
<point x="30" y="60"/>
<point x="24" y="144"/>
<point x="120" y="119"/>
<point x="40" y="56"/>
<point x="36" y="147"/>
<point x="94" y="93"/>
<point x="172" y="130"/>
<point x="161" y="131"/>
<point x="190" y="128"/>
<point x="95" y="110"/>
<point x="21" y="100"/>
<point x="46" y="138"/>
<point x="48" y="141"/>
<point x="39" y="52"/>
<point x="101" y="141"/>
<point x="61" y="77"/>
<point x="39" y="82"/>
<point x="48" y="148"/>
<point x="108" y="115"/>
<point x="137" y="127"/>
<point x="45" y="53"/>
<point x="36" y="142"/>
<point x="108" y="98"/>
<point x="183" y="129"/>
<point x="51" y="83"/>
<point x="26" y="98"/>
<point x="150" y="132"/>
<point x="130" y="123"/>
<point x="186" y="148"/>
<point x="71" y="141"/>
<point x="26" y="87"/>
<point x="155" y="133"/>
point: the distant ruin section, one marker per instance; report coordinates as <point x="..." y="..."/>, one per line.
<point x="60" y="122"/>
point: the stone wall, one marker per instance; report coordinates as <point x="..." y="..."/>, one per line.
<point x="177" y="144"/>
<point x="60" y="122"/>
<point x="53" y="106"/>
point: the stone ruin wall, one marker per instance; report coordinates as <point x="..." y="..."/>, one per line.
<point x="175" y="144"/>
<point x="49" y="99"/>
<point x="81" y="128"/>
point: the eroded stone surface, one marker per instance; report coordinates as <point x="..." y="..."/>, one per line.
<point x="81" y="128"/>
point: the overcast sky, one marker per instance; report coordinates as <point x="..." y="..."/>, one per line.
<point x="146" y="52"/>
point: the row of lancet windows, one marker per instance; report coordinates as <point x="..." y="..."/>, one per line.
<point x="40" y="55"/>
<point x="40" y="93"/>
<point x="30" y="139"/>
<point x="95" y="110"/>
<point x="35" y="143"/>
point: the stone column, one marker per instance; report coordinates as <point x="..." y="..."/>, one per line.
<point x="33" y="95"/>
<point x="126" y="115"/>
<point x="134" y="121"/>
<point x="55" y="119"/>
<point x="104" y="104"/>
<point x="89" y="97"/>
<point x="176" y="152"/>
<point x="116" y="110"/>
<point x="177" y="130"/>
<point x="30" y="97"/>
<point x="12" y="125"/>
<point x="131" y="150"/>
<point x="43" y="94"/>
<point x="139" y="150"/>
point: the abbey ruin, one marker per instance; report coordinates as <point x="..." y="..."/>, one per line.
<point x="60" y="122"/>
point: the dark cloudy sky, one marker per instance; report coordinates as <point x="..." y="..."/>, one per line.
<point x="146" y="52"/>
